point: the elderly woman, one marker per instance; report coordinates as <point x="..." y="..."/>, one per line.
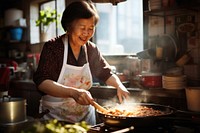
<point x="68" y="64"/>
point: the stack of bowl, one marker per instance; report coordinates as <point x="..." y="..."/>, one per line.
<point x="174" y="82"/>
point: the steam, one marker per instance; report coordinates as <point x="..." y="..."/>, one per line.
<point x="136" y="98"/>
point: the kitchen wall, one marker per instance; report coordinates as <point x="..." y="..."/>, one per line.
<point x="156" y="22"/>
<point x="182" y="23"/>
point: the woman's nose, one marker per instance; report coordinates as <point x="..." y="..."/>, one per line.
<point x="85" y="32"/>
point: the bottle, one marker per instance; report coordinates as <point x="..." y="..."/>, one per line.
<point x="159" y="49"/>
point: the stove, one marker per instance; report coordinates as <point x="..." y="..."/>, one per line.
<point x="181" y="123"/>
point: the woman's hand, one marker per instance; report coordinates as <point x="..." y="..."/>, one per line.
<point x="82" y="97"/>
<point x="122" y="93"/>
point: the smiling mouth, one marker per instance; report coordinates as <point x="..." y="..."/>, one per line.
<point x="85" y="39"/>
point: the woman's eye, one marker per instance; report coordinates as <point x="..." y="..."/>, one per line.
<point x="82" y="28"/>
<point x="92" y="28"/>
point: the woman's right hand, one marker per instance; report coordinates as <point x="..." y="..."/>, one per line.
<point x="82" y="97"/>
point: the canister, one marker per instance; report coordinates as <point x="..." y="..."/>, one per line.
<point x="151" y="79"/>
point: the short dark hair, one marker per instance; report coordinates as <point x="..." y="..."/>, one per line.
<point x="78" y="10"/>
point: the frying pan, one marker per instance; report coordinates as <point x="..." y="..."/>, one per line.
<point x="144" y="121"/>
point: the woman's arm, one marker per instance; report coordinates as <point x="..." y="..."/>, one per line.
<point x="55" y="89"/>
<point x="122" y="92"/>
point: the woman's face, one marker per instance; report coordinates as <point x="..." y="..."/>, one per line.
<point x="82" y="31"/>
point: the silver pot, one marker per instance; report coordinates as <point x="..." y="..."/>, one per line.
<point x="12" y="110"/>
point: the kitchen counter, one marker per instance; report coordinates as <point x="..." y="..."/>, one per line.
<point x="27" y="89"/>
<point x="174" y="98"/>
<point x="108" y="91"/>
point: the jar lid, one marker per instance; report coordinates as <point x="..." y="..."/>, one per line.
<point x="151" y="74"/>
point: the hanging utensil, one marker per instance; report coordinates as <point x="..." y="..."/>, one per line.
<point x="184" y="59"/>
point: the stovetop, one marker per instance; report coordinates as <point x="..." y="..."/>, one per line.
<point x="102" y="128"/>
<point x="175" y="128"/>
<point x="180" y="123"/>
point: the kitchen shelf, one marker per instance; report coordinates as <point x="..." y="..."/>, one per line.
<point x="10" y="27"/>
<point x="172" y="11"/>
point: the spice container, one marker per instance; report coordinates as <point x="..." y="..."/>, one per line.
<point x="151" y="80"/>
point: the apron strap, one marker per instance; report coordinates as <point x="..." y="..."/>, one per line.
<point x="86" y="54"/>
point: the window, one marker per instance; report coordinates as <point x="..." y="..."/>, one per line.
<point x="53" y="30"/>
<point x="119" y="32"/>
<point x="120" y="29"/>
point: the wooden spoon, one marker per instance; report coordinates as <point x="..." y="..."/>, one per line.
<point x="99" y="107"/>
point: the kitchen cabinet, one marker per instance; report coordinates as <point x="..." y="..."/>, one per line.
<point x="178" y="8"/>
<point x="175" y="11"/>
<point x="13" y="49"/>
<point x="167" y="20"/>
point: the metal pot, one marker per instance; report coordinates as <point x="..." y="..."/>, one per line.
<point x="147" y="121"/>
<point x="12" y="110"/>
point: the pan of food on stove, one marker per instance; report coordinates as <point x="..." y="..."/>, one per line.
<point x="136" y="114"/>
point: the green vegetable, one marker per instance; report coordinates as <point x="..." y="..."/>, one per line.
<point x="54" y="126"/>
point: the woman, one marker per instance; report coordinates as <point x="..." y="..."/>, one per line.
<point x="67" y="65"/>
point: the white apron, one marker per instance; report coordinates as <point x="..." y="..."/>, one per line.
<point x="66" y="108"/>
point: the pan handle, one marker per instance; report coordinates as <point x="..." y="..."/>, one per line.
<point x="6" y="96"/>
<point x="188" y="112"/>
<point x="194" y="120"/>
<point x="124" y="130"/>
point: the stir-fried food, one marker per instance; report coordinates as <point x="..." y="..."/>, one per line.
<point x="137" y="111"/>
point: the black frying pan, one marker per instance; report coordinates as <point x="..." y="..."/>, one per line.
<point x="124" y="121"/>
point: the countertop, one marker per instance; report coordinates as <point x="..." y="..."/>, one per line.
<point x="105" y="92"/>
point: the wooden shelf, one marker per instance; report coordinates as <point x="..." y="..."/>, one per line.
<point x="172" y="11"/>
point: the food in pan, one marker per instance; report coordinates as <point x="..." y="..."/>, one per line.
<point x="137" y="111"/>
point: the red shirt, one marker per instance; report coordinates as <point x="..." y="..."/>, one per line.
<point x="51" y="61"/>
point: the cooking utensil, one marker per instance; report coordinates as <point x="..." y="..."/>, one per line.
<point x="123" y="121"/>
<point x="99" y="107"/>
<point x="12" y="110"/>
<point x="184" y="58"/>
<point x="124" y="130"/>
<point x="169" y="45"/>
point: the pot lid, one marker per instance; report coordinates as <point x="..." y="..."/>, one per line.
<point x="7" y="98"/>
